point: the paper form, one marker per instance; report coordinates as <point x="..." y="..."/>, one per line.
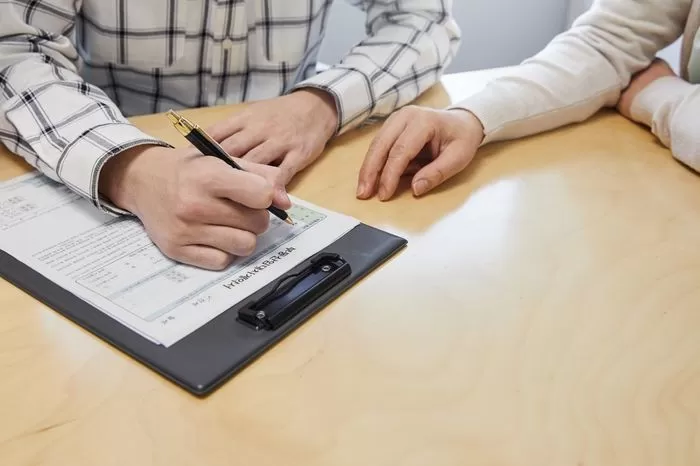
<point x="112" y="264"/>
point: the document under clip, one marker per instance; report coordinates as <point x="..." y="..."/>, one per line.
<point x="292" y="293"/>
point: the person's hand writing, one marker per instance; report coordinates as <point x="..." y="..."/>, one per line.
<point x="196" y="209"/>
<point x="291" y="130"/>
<point x="432" y="145"/>
<point x="658" y="69"/>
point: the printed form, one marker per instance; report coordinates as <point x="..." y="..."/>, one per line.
<point x="112" y="264"/>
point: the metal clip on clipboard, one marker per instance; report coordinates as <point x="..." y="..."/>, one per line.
<point x="292" y="293"/>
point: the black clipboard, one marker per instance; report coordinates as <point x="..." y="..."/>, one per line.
<point x="208" y="357"/>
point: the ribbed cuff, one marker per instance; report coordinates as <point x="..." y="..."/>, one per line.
<point x="651" y="102"/>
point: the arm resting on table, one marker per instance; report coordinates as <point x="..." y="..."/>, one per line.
<point x="581" y="70"/>
<point x="49" y="115"/>
<point x="409" y="44"/>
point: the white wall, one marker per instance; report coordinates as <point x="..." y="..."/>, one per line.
<point x="576" y="7"/>
<point x="494" y="32"/>
<point x="505" y="32"/>
<point x="345" y="28"/>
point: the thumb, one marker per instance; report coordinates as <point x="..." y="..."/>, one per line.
<point x="281" y="199"/>
<point x="452" y="160"/>
<point x="272" y="175"/>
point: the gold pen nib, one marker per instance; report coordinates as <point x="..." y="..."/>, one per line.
<point x="289" y="220"/>
<point x="180" y="123"/>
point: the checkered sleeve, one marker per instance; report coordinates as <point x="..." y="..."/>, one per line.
<point x="409" y="44"/>
<point x="61" y="125"/>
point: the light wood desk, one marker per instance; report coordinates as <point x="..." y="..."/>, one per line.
<point x="545" y="312"/>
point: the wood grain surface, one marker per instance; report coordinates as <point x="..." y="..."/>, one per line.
<point x="545" y="312"/>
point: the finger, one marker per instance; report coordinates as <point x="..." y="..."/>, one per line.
<point x="408" y="145"/>
<point x="226" y="128"/>
<point x="292" y="164"/>
<point x="265" y="153"/>
<point x="239" y="144"/>
<point x="202" y="256"/>
<point x="241" y="187"/>
<point x="377" y="154"/>
<point x="453" y="159"/>
<point x="273" y="175"/>
<point x="230" y="240"/>
<point x="223" y="212"/>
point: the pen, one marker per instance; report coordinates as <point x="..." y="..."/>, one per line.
<point x="207" y="146"/>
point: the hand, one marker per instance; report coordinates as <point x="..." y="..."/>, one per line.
<point x="433" y="144"/>
<point x="658" y="69"/>
<point x="196" y="209"/>
<point x="292" y="129"/>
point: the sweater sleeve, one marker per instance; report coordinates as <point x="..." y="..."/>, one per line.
<point x="581" y="70"/>
<point x="671" y="108"/>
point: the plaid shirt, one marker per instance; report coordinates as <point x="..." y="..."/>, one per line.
<point x="70" y="70"/>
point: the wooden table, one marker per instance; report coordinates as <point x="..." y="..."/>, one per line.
<point x="545" y="312"/>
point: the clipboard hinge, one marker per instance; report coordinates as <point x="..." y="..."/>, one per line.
<point x="292" y="293"/>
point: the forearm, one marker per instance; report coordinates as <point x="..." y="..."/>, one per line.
<point x="63" y="126"/>
<point x="580" y="71"/>
<point x="403" y="55"/>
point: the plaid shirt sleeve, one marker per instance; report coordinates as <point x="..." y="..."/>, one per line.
<point x="409" y="44"/>
<point x="49" y="115"/>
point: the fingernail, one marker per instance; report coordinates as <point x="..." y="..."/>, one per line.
<point x="361" y="188"/>
<point x="420" y="187"/>
<point x="383" y="195"/>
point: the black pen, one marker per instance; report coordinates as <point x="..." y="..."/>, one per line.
<point x="207" y="146"/>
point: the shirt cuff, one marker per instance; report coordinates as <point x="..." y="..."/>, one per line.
<point x="654" y="101"/>
<point x="352" y="92"/>
<point x="81" y="162"/>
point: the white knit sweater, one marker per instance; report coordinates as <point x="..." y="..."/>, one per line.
<point x="588" y="66"/>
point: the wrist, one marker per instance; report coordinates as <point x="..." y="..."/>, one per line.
<point x="122" y="175"/>
<point x="471" y="122"/>
<point x="323" y="109"/>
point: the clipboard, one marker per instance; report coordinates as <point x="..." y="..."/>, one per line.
<point x="212" y="354"/>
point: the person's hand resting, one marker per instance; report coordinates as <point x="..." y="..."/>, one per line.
<point x="431" y="145"/>
<point x="658" y="69"/>
<point x="196" y="209"/>
<point x="291" y="130"/>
